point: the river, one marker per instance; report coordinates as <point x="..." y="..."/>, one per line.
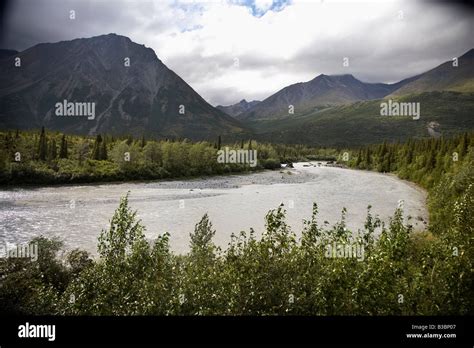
<point x="77" y="213"/>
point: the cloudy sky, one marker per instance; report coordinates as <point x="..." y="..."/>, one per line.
<point x="228" y="50"/>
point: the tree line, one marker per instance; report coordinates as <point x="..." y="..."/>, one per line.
<point x="42" y="157"/>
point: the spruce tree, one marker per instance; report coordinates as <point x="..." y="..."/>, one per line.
<point x="96" y="149"/>
<point x="464" y="144"/>
<point x="42" y="146"/>
<point x="359" y="158"/>
<point x="409" y="154"/>
<point x="368" y="159"/>
<point x="63" y="147"/>
<point x="52" y="153"/>
<point x="103" y="151"/>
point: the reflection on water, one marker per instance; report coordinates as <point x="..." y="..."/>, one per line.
<point x="77" y="213"/>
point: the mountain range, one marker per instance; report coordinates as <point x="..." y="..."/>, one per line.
<point x="318" y="93"/>
<point x="343" y="111"/>
<point x="324" y="91"/>
<point x="135" y="93"/>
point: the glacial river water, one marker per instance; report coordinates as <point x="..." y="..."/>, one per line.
<point x="77" y="213"/>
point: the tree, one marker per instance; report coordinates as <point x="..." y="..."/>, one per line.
<point x="152" y="152"/>
<point x="103" y="151"/>
<point x="409" y="154"/>
<point x="383" y="149"/>
<point x="124" y="237"/>
<point x="464" y="144"/>
<point x="368" y="158"/>
<point x="82" y="151"/>
<point x="63" y="147"/>
<point x="359" y="158"/>
<point x="219" y="143"/>
<point x="201" y="239"/>
<point x="52" y="153"/>
<point x="42" y="146"/>
<point x="431" y="160"/>
<point x="96" y="149"/>
<point x="125" y="278"/>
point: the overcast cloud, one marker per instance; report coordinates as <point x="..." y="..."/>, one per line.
<point x="235" y="49"/>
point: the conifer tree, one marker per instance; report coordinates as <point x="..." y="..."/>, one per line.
<point x="42" y="146"/>
<point x="464" y="144"/>
<point x="103" y="151"/>
<point x="368" y="159"/>
<point x="52" y="153"/>
<point x="359" y="158"/>
<point x="63" y="147"/>
<point x="96" y="149"/>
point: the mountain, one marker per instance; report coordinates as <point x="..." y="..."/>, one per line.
<point x="320" y="92"/>
<point x="143" y="98"/>
<point x="238" y="108"/>
<point x="444" y="77"/>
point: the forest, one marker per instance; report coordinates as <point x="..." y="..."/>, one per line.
<point x="404" y="271"/>
<point x="42" y="157"/>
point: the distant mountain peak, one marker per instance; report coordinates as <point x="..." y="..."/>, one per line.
<point x="333" y="77"/>
<point x="239" y="108"/>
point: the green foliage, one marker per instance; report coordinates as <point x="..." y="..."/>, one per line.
<point x="29" y="286"/>
<point x="83" y="159"/>
<point x="202" y="236"/>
